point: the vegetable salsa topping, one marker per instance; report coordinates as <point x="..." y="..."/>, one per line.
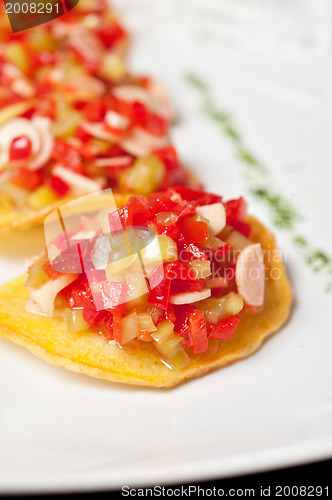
<point x="73" y="119"/>
<point x="172" y="271"/>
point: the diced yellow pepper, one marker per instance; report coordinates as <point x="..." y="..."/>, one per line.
<point x="201" y="268"/>
<point x="164" y="332"/>
<point x="15" y="53"/>
<point x="39" y="40"/>
<point x="159" y="248"/>
<point x="217" y="308"/>
<point x="129" y="327"/>
<point x="66" y="124"/>
<point x="120" y="265"/>
<point x="17" y="109"/>
<point x="144" y="177"/>
<point x="113" y="67"/>
<point x="146" y="323"/>
<point x="75" y="320"/>
<point x="41" y="197"/>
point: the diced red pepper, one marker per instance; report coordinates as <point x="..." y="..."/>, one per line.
<point x="193" y="230"/>
<point x="241" y="227"/>
<point x="236" y="209"/>
<point x="120" y="106"/>
<point x="80" y="296"/>
<point x="59" y="186"/>
<point x="161" y="202"/>
<point x="159" y="295"/>
<point x="175" y="177"/>
<point x="168" y="156"/>
<point x="224" y="329"/>
<point x="42" y="58"/>
<point x="121" y="218"/>
<point x="144" y="335"/>
<point x="95" y="111"/>
<point x="117" y="330"/>
<point x="140" y="113"/>
<point x="199" y="197"/>
<point x="155" y="125"/>
<point x="106" y="325"/>
<point x="179" y="271"/>
<point x="27" y="179"/>
<point x="110" y="34"/>
<point x="184" y="286"/>
<point x="65" y="154"/>
<point x="92" y="316"/>
<point x="181" y="327"/>
<point x="78" y="293"/>
<point x="109" y="294"/>
<point x="82" y="134"/>
<point x="79" y="104"/>
<point x="51" y="273"/>
<point x="140" y="210"/>
<point x="190" y="251"/>
<point x="198" y="332"/>
<point x="151" y="122"/>
<point x="167" y="224"/>
<point x="184" y="209"/>
<point x="20" y="148"/>
<point x="170" y="231"/>
<point x="169" y="314"/>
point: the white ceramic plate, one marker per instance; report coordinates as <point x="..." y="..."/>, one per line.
<point x="63" y="432"/>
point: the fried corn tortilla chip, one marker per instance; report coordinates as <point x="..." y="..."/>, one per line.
<point x="26" y="218"/>
<point x="90" y="353"/>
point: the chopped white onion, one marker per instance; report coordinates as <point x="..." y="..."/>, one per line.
<point x="101" y="252"/>
<point x="141" y="143"/>
<point x="158" y="92"/>
<point x="116" y="161"/>
<point x="132" y="93"/>
<point x="19" y="83"/>
<point x="4" y="176"/>
<point x="85" y="85"/>
<point x="44" y="296"/>
<point x="116" y="121"/>
<point x="154" y="97"/>
<point x="216" y="283"/>
<point x="16" y="128"/>
<point x="42" y="125"/>
<point x="189" y="297"/>
<point x="99" y="131"/>
<point x="86" y="43"/>
<point x="216" y="216"/>
<point x="79" y="184"/>
<point x="250" y="275"/>
<point x="37" y="130"/>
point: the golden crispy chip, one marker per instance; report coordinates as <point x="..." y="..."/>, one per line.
<point x="91" y="354"/>
<point x="28" y="217"/>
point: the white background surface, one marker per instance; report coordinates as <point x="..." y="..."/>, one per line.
<point x="269" y="64"/>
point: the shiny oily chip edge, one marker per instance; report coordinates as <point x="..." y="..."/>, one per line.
<point x="91" y="354"/>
